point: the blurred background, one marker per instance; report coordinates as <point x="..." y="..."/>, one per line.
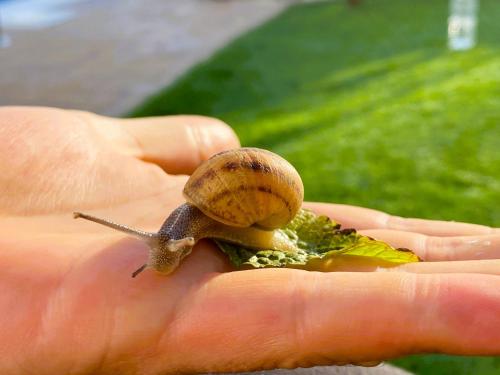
<point x="388" y="104"/>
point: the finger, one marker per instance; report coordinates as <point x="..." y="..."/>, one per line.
<point x="485" y="267"/>
<point x="179" y="144"/>
<point x="287" y="318"/>
<point x="366" y="218"/>
<point x="433" y="248"/>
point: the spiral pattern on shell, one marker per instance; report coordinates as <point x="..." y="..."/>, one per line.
<point x="246" y="186"/>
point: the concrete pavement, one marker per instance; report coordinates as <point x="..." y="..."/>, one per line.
<point x="114" y="53"/>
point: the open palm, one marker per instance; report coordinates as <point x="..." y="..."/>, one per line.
<point x="68" y="303"/>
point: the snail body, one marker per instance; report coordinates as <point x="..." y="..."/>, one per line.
<point x="239" y="196"/>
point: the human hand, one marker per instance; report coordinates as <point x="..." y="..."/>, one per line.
<point x="68" y="303"/>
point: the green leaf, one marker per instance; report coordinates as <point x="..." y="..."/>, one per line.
<point x="321" y="245"/>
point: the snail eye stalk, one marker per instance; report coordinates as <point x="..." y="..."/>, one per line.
<point x="147" y="236"/>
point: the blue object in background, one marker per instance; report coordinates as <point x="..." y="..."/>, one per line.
<point x="36" y="14"/>
<point x="462" y="24"/>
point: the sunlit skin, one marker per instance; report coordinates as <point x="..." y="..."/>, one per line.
<point x="68" y="303"/>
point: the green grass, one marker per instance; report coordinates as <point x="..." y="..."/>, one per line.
<point x="371" y="108"/>
<point x="449" y="365"/>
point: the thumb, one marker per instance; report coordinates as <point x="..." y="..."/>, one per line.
<point x="178" y="144"/>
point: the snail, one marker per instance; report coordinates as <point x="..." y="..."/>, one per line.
<point x="239" y="196"/>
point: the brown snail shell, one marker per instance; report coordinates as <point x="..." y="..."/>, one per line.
<point x="245" y="187"/>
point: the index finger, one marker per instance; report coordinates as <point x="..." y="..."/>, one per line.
<point x="366" y="218"/>
<point x="178" y="144"/>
